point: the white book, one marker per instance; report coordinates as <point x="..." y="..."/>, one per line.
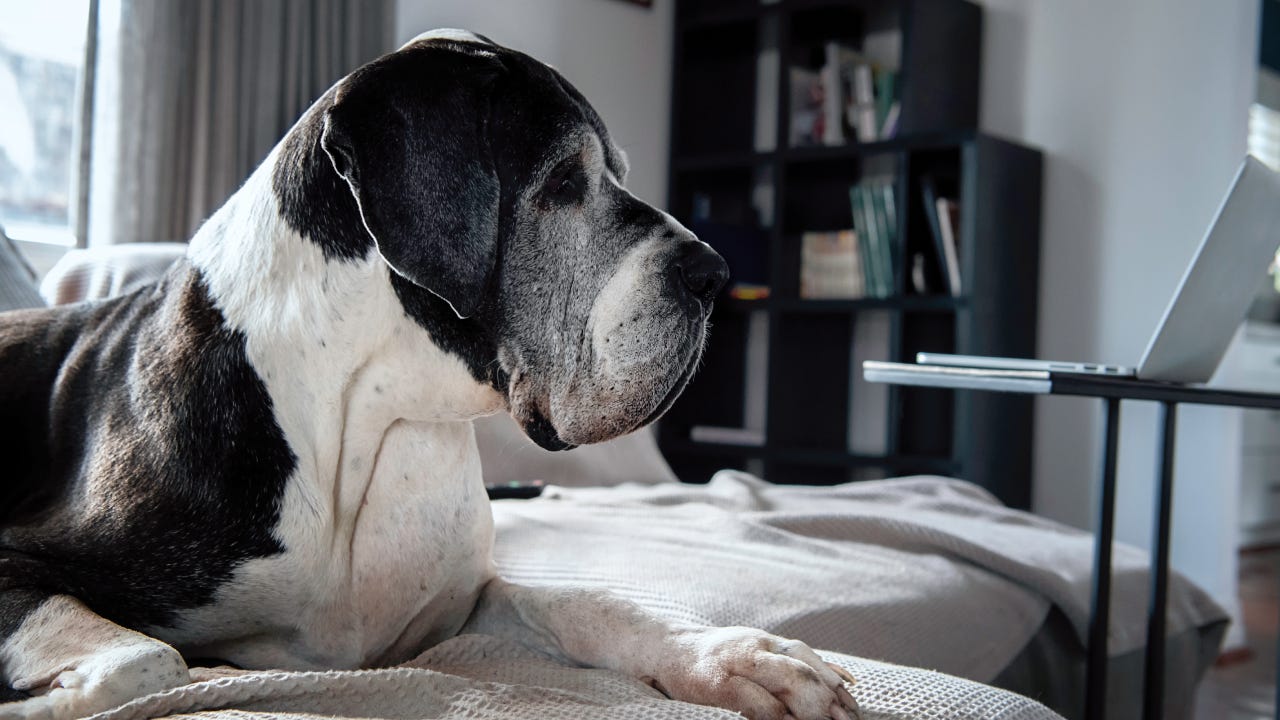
<point x="768" y="68"/>
<point x="948" y="211"/>
<point x="832" y="98"/>
<point x="864" y="98"/>
<point x="890" y="127"/>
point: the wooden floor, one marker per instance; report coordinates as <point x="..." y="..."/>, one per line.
<point x="1243" y="686"/>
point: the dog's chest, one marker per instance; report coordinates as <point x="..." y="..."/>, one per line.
<point x="373" y="586"/>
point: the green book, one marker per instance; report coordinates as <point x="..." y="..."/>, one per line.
<point x="886" y="80"/>
<point x="880" y="233"/>
<point x="870" y="287"/>
<point x="874" y="240"/>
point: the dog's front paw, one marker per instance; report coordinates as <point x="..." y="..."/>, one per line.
<point x="106" y="679"/>
<point x="762" y="676"/>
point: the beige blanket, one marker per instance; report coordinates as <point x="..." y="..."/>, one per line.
<point x="474" y="677"/>
<point x="922" y="571"/>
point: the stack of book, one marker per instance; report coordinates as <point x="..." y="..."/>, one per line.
<point x="875" y="220"/>
<point x="857" y="263"/>
<point x="849" y="99"/>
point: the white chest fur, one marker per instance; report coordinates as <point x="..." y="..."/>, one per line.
<point x="385" y="521"/>
<point x="371" y="588"/>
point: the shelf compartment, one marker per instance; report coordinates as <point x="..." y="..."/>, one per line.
<point x="715" y="93"/>
<point x="925" y="414"/>
<point x="809" y="381"/>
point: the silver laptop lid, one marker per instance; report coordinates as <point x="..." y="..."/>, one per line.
<point x="1220" y="283"/>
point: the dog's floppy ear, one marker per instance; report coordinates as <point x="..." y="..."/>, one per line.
<point x="408" y="134"/>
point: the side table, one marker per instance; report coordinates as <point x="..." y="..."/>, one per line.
<point x="1111" y="390"/>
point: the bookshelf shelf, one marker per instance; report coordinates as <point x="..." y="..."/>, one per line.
<point x="788" y="366"/>
<point x="806" y="457"/>
<point x="819" y="153"/>
<point x="797" y="305"/>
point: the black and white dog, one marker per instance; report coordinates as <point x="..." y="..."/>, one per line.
<point x="267" y="457"/>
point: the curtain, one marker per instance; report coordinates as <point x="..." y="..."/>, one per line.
<point x="190" y="96"/>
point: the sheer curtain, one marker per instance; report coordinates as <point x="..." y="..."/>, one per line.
<point x="190" y="95"/>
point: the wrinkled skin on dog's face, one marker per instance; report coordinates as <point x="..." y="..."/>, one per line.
<point x="598" y="332"/>
<point x="593" y="303"/>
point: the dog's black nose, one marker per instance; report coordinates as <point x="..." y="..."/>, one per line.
<point x="702" y="271"/>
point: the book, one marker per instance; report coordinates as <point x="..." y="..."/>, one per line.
<point x="806" y="107"/>
<point x="864" y="225"/>
<point x="886" y="82"/>
<point x="949" y="223"/>
<point x="864" y="250"/>
<point x="830" y="265"/>
<point x="889" y="129"/>
<point x="768" y="69"/>
<point x="748" y="291"/>
<point x="875" y="219"/>
<point x="864" y="103"/>
<point x="887" y="222"/>
<point x="832" y="96"/>
<point x="929" y="197"/>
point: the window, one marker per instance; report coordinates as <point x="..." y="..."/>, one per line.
<point x="1264" y="134"/>
<point x="42" y="50"/>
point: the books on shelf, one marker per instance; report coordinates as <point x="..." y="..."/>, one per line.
<point x="875" y="220"/>
<point x="944" y="225"/>
<point x="849" y="99"/>
<point x="806" y="107"/>
<point x="857" y="263"/>
<point x="830" y="266"/>
<point x="748" y="291"/>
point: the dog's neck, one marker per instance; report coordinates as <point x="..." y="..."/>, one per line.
<point x="332" y="342"/>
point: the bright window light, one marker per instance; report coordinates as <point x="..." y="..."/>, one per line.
<point x="42" y="46"/>
<point x="1264" y="134"/>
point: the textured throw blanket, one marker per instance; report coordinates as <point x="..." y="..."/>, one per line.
<point x="927" y="571"/>
<point x="474" y="677"/>
<point x="923" y="571"/>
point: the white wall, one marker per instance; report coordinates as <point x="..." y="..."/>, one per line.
<point x="617" y="53"/>
<point x="1141" y="109"/>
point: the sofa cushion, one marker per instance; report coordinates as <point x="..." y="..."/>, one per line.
<point x="17" y="279"/>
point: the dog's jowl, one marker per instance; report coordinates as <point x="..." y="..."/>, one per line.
<point x="267" y="457"/>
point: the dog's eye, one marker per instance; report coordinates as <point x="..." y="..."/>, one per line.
<point x="567" y="183"/>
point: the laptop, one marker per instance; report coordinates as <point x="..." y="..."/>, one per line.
<point x="1210" y="302"/>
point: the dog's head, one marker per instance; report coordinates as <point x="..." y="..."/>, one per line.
<point x="488" y="183"/>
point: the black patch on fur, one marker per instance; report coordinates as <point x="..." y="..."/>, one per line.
<point x="314" y="200"/>
<point x="468" y="339"/>
<point x="149" y="464"/>
<point x="408" y="131"/>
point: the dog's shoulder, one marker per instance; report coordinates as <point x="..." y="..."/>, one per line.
<point x="159" y="466"/>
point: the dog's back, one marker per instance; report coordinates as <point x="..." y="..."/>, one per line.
<point x="35" y="346"/>
<point x="140" y="450"/>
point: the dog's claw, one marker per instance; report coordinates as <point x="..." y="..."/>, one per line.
<point x="844" y="674"/>
<point x="848" y="704"/>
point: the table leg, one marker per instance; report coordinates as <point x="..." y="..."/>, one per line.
<point x="1100" y="612"/>
<point x="1153" y="688"/>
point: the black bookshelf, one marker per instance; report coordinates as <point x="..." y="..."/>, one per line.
<point x="724" y="169"/>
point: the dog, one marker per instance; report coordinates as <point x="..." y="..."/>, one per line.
<point x="267" y="456"/>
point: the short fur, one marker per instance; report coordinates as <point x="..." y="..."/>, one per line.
<point x="267" y="457"/>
